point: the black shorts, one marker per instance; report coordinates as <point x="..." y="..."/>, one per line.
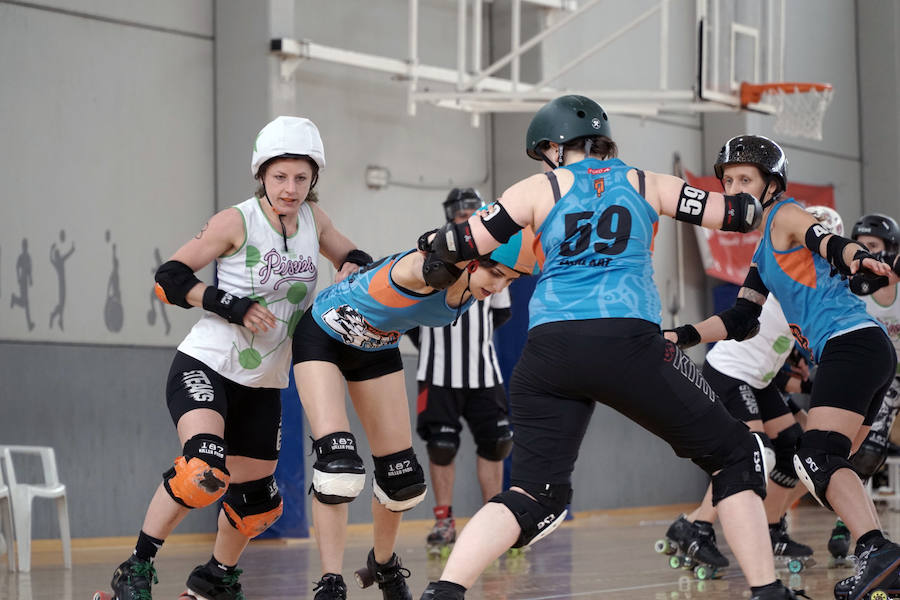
<point x="743" y="401"/>
<point x="854" y="372"/>
<point x="252" y="415"/>
<point x="311" y="343"/>
<point x="484" y="409"/>
<point x="567" y="367"/>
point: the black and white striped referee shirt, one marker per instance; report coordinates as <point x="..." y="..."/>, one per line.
<point x="463" y="355"/>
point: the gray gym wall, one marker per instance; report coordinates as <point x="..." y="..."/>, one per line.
<point x="137" y="118"/>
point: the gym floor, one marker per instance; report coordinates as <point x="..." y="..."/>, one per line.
<point x="602" y="554"/>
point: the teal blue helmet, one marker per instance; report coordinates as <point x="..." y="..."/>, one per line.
<point x="518" y="253"/>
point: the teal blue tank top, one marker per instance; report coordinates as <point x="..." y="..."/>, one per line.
<point x="817" y="305"/>
<point x="597" y="244"/>
<point x="369" y="311"/>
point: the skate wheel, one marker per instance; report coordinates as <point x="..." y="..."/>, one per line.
<point x="795" y="566"/>
<point x="364" y="577"/>
<point x="102" y="596"/>
<point x="675" y="562"/>
<point x="702" y="572"/>
<point x="687" y="562"/>
<point x="187" y="595"/>
<point x="879" y="595"/>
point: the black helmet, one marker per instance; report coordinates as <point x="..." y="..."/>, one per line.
<point x="755" y="150"/>
<point x="460" y="199"/>
<point x="565" y="119"/>
<point x="882" y="227"/>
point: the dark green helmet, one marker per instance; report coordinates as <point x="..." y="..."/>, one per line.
<point x="565" y="119"/>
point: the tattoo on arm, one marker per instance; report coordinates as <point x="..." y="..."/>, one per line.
<point x="202" y="229"/>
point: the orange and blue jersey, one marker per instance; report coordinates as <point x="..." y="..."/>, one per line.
<point x="595" y="250"/>
<point x="817" y="305"/>
<point x="369" y="311"/>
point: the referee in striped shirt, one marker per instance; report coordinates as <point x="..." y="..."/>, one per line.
<point x="459" y="376"/>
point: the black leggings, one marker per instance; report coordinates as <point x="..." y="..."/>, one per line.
<point x="624" y="363"/>
<point x="855" y="371"/>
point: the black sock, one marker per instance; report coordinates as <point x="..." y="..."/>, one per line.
<point x="217" y="568"/>
<point x="775" y="585"/>
<point x="871" y="538"/>
<point x="147" y="546"/>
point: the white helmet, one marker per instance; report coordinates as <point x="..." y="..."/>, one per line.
<point x="827" y="217"/>
<point x="287" y="135"/>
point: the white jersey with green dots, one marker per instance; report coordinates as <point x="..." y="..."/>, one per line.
<point x="757" y="360"/>
<point x="281" y="281"/>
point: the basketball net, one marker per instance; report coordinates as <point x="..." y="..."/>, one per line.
<point x="799" y="107"/>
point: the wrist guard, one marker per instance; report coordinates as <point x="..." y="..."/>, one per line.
<point x="688" y="336"/>
<point x="357" y="257"/>
<point x="865" y="283"/>
<point x="743" y="213"/>
<point x="229" y="307"/>
<point x="452" y="243"/>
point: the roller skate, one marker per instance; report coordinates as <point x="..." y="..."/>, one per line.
<point x="839" y="546"/>
<point x="330" y="587"/>
<point x="876" y="577"/>
<point x="442" y="536"/>
<point x="390" y="577"/>
<point x="789" y="554"/>
<point x="131" y="581"/>
<point x="443" y="590"/>
<point x="203" y="584"/>
<point x="692" y="546"/>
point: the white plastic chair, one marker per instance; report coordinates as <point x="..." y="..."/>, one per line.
<point x="22" y="495"/>
<point x="6" y="526"/>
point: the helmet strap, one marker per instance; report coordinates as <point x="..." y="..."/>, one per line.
<point x="280" y="216"/>
<point x="548" y="161"/>
<point x="588" y="144"/>
<point x="462" y="294"/>
<point x="560" y="151"/>
<point x="774" y="197"/>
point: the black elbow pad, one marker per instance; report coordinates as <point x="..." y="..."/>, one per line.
<point x="743" y="213"/>
<point x="741" y="320"/>
<point x="174" y="280"/>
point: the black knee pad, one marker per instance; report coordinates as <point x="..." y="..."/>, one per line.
<point x="741" y="465"/>
<point x="868" y="459"/>
<point x="818" y="456"/>
<point x="198" y="477"/>
<point x="496" y="449"/>
<point x="399" y="480"/>
<point x="539" y="517"/>
<point x="338" y="473"/>
<point x="442" y="448"/>
<point x="786" y="442"/>
<point x="251" y="507"/>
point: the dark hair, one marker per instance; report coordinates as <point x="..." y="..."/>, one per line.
<point x="601" y="146"/>
<point x="312" y="196"/>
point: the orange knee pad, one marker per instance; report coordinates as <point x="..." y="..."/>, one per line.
<point x="198" y="477"/>
<point x="253" y="506"/>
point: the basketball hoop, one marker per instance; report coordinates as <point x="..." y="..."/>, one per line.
<point x="799" y="107"/>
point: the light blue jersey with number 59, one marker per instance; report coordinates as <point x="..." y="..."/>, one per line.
<point x="597" y="245"/>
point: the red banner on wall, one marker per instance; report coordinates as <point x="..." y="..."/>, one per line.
<point x="726" y="254"/>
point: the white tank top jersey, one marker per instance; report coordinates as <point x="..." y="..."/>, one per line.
<point x="889" y="316"/>
<point x="757" y="360"/>
<point x="283" y="282"/>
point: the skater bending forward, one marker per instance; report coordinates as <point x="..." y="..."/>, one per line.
<point x="351" y="334"/>
<point x="595" y="337"/>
